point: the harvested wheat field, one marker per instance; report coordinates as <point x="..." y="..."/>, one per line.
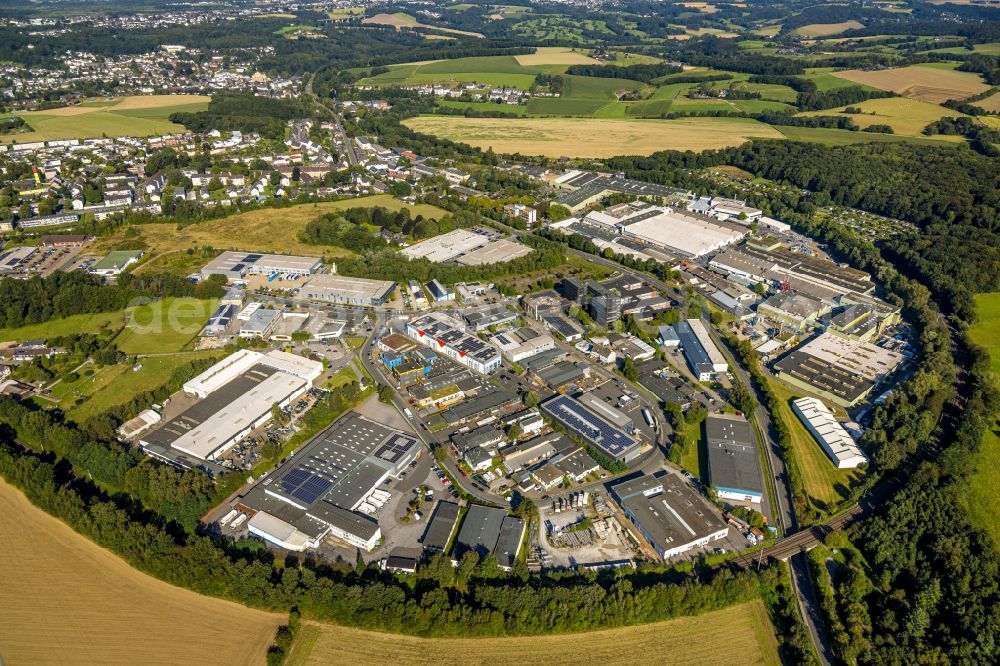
<point x="738" y="635"/>
<point x="592" y="137"/>
<point x="991" y="103"/>
<point x="906" y="116"/>
<point x="824" y="29"/>
<point x="927" y="84"/>
<point x="555" y="55"/>
<point x="65" y="600"/>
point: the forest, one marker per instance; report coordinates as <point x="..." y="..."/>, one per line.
<point x="61" y="294"/>
<point x="243" y="112"/>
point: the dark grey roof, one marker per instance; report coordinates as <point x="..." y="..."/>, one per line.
<point x="440" y="527"/>
<point x="732" y="454"/>
<point x="480" y="531"/>
<point x="509" y="541"/>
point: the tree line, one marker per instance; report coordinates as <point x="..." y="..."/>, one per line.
<point x="61" y="294"/>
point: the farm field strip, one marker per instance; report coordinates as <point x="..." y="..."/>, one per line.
<point x="984" y="483"/>
<point x="740" y="634"/>
<point x="588" y="137"/>
<point x="923" y="83"/>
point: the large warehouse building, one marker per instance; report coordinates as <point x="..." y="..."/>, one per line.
<point x="835" y="441"/>
<point x="669" y="513"/>
<point x="597" y="430"/>
<point x="349" y="290"/>
<point x="323" y="490"/>
<point x="733" y="465"/>
<point x="237" y="265"/>
<point x="447" y="335"/>
<point x="234" y="397"/>
<point x="841" y="370"/>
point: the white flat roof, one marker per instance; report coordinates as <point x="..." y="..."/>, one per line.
<point x="683" y="233"/>
<point x="293" y="364"/>
<point x="347" y="287"/>
<point x="217" y="432"/>
<point x="836" y="442"/>
<point x="446" y="246"/>
<point x="222" y="372"/>
<point x="861" y="358"/>
<point x="494" y="253"/>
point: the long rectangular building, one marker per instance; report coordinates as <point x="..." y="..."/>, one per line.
<point x="703" y="357"/>
<point x="348" y="290"/>
<point x="223" y="417"/>
<point x="733" y="465"/>
<point x="487" y="530"/>
<point x="447" y="335"/>
<point x="835" y="441"/>
<point x="237" y="265"/>
<point x="671" y="516"/>
<point x="592" y="428"/>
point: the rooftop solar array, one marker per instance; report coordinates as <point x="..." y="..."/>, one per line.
<point x="588" y="425"/>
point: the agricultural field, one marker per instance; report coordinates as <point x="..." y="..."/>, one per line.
<point x="555" y="55"/>
<point x="126" y="116"/>
<point x="920" y="82"/>
<point x="824" y="29"/>
<point x="741" y="634"/>
<point x="991" y="103"/>
<point x="906" y="116"/>
<point x="586" y="137"/>
<point x="55" y="605"/>
<point x="489" y="70"/>
<point x="82" y="323"/>
<point x="984" y="484"/>
<point x="401" y="21"/>
<point x="839" y="137"/>
<point x="266" y="230"/>
<point x="824" y="484"/>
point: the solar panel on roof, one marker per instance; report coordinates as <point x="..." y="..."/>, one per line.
<point x="253" y="257"/>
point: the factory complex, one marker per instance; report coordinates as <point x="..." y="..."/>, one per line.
<point x="467" y="247"/>
<point x="232" y="398"/>
<point x="330" y="486"/>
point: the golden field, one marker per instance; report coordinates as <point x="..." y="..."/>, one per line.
<point x="592" y="137"/>
<point x="65" y="600"/>
<point x="737" y="635"/>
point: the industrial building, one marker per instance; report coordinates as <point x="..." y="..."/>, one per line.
<point x="592" y="428"/>
<point x="841" y="370"/>
<point x="446" y="246"/>
<point x="835" y="441"/>
<point x="526" y="214"/>
<point x="439" y="292"/>
<point x="519" y="344"/>
<point x="239" y="362"/>
<point x="235" y="397"/>
<point x="794" y="309"/>
<point x="324" y="489"/>
<point x="237" y="265"/>
<point x="260" y="324"/>
<point x="13" y="259"/>
<point x="487" y="530"/>
<point x="116" y="262"/>
<point x="491" y="315"/>
<point x="703" y="357"/>
<point x="348" y="290"/>
<point x="733" y="465"/>
<point x="494" y="252"/>
<point x="447" y="335"/>
<point x="584" y="188"/>
<point x="671" y="516"/>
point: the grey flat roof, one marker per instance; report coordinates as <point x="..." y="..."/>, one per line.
<point x="672" y="514"/>
<point x="509" y="541"/>
<point x="732" y="454"/>
<point x="440" y="527"/>
<point x="479" y="405"/>
<point x="480" y="531"/>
